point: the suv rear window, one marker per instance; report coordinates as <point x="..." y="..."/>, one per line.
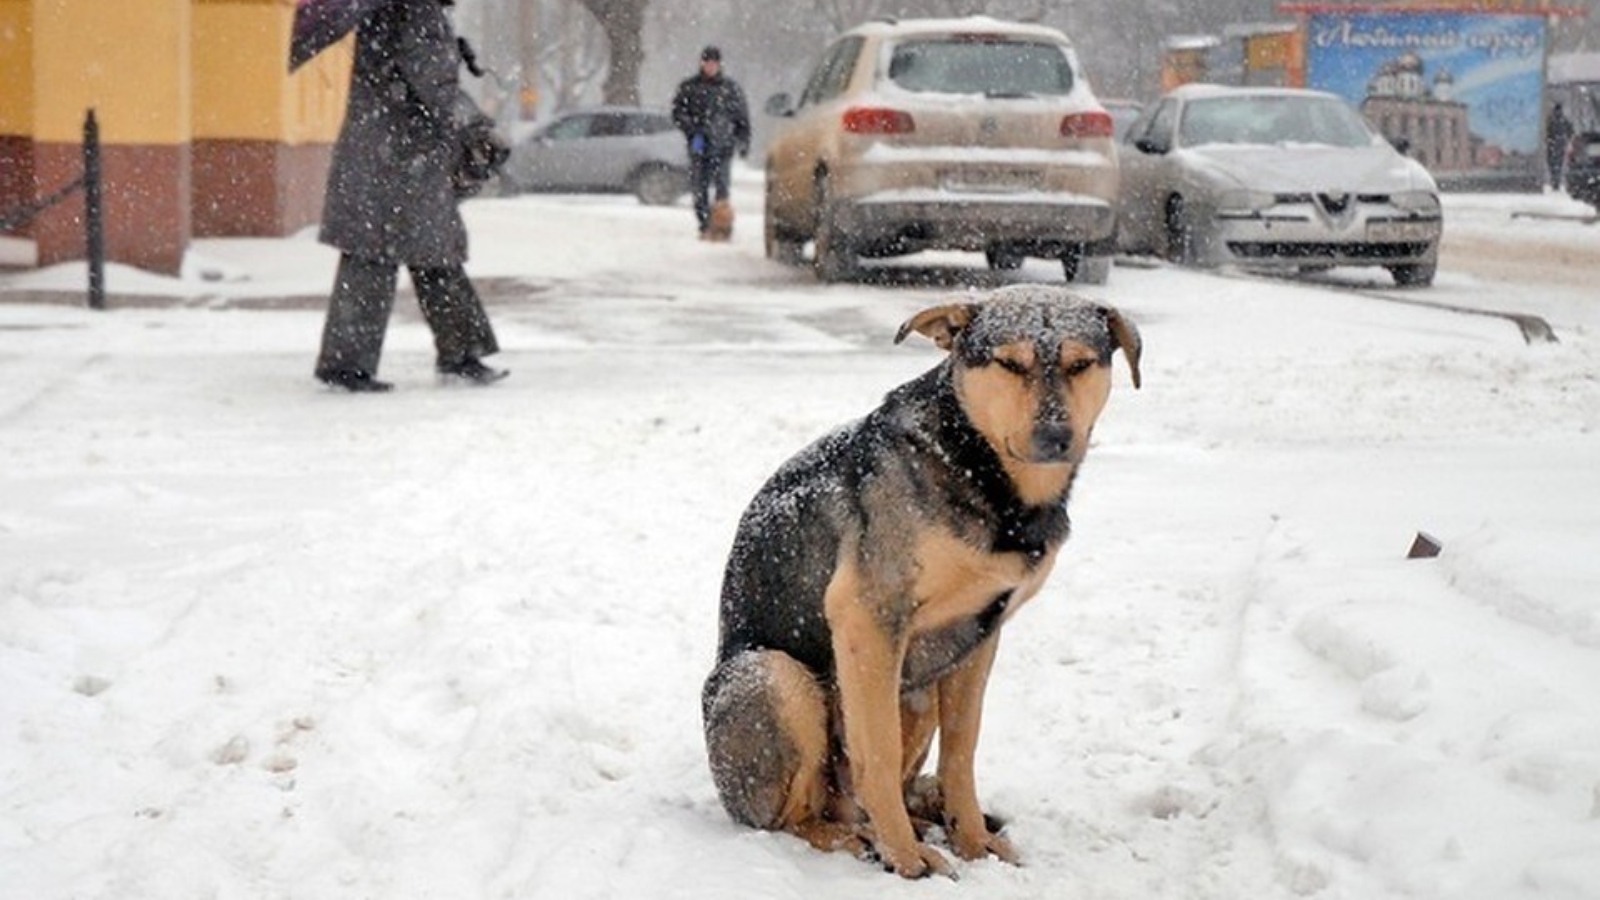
<point x="989" y="66"/>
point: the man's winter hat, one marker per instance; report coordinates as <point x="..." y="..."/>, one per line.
<point x="711" y="54"/>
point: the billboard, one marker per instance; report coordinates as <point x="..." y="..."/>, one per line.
<point x="1461" y="89"/>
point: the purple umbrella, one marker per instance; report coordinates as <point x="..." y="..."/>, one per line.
<point x="319" y="24"/>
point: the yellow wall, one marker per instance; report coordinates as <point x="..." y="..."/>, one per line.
<point x="129" y="59"/>
<point x="164" y="72"/>
<point x="16" y="68"/>
<point x="315" y="99"/>
<point x="242" y="86"/>
<point x="239" y="52"/>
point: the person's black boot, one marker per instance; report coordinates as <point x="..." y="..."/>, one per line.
<point x="472" y="369"/>
<point x="354" y="381"/>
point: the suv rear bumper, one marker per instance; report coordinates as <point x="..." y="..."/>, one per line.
<point x="974" y="221"/>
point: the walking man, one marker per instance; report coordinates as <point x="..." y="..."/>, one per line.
<point x="709" y="108"/>
<point x="1557" y="134"/>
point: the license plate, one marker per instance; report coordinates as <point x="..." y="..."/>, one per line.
<point x="1401" y="231"/>
<point x="1592" y="151"/>
<point x="990" y="180"/>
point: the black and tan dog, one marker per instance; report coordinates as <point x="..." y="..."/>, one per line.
<point x="870" y="576"/>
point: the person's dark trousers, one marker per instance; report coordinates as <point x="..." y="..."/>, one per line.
<point x="363" y="296"/>
<point x="708" y="180"/>
<point x="452" y="309"/>
<point x="358" y="316"/>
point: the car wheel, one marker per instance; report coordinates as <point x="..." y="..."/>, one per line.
<point x="835" y="259"/>
<point x="781" y="245"/>
<point x="658" y="186"/>
<point x="1081" y="268"/>
<point x="1414" y="274"/>
<point x="1003" y="259"/>
<point x="1179" y="232"/>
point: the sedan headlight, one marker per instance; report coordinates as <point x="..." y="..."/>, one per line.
<point x="1420" y="203"/>
<point x="1244" y="203"/>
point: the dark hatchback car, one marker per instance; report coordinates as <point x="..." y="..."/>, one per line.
<point x="1583" y="168"/>
<point x="604" y="149"/>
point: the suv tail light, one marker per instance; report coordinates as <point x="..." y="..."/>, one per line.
<point x="878" y="120"/>
<point x="1087" y="125"/>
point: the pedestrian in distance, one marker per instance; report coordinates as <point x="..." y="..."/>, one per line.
<point x="710" y="109"/>
<point x="391" y="202"/>
<point x="1557" y="134"/>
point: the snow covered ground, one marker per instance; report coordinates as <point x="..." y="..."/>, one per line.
<point x="261" y="640"/>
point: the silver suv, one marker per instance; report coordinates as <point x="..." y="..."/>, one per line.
<point x="952" y="134"/>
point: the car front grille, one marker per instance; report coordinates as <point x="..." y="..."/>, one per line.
<point x="1320" y="250"/>
<point x="1312" y="198"/>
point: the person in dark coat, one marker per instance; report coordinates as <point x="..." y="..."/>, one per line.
<point x="390" y="202"/>
<point x="1557" y="134"/>
<point x="710" y="109"/>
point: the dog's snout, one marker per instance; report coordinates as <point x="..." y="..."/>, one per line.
<point x="1052" y="442"/>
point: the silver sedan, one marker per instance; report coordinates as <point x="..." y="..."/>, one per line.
<point x="1274" y="178"/>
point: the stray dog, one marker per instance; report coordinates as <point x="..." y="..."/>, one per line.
<point x="871" y="574"/>
<point x="720" y="228"/>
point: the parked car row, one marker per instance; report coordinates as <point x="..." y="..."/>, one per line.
<point x="976" y="134"/>
<point x="981" y="135"/>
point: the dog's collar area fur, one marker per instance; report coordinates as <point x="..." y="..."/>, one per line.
<point x="1017" y="527"/>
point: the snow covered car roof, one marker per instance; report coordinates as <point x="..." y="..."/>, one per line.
<point x="1200" y="90"/>
<point x="987" y="24"/>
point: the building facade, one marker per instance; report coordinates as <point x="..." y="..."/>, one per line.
<point x="203" y="130"/>
<point x="1404" y="104"/>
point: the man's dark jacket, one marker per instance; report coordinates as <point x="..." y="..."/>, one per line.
<point x="714" y="109"/>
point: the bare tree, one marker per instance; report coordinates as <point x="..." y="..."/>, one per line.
<point x="843" y="14"/>
<point x="772" y="45"/>
<point x="622" y="22"/>
<point x="1023" y="11"/>
<point x="566" y="49"/>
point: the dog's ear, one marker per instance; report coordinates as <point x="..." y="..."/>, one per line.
<point x="941" y="324"/>
<point x="1126" y="336"/>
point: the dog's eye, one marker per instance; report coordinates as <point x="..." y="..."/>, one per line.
<point x="1011" y="365"/>
<point x="1078" y="367"/>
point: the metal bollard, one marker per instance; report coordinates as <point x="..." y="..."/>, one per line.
<point x="94" y="213"/>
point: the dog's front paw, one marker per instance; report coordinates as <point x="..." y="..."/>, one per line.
<point x="916" y="861"/>
<point x="981" y="842"/>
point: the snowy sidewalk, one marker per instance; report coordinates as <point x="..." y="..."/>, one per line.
<point x="263" y="640"/>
